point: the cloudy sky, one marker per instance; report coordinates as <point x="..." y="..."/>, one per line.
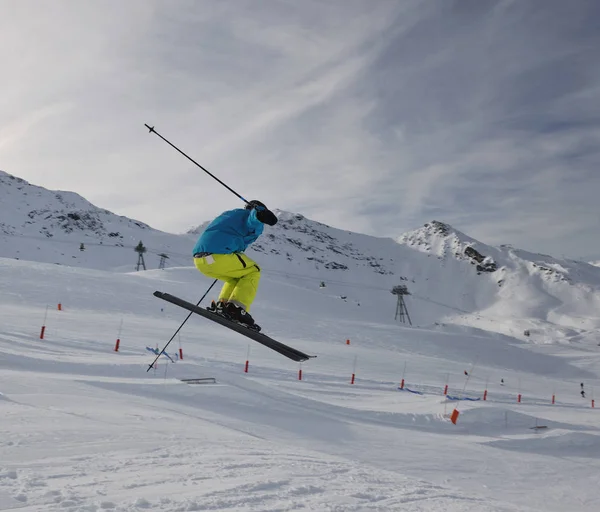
<point x="369" y="115"/>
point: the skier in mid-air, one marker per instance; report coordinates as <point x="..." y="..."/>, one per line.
<point x="219" y="253"/>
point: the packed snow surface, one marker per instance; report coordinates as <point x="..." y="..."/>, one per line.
<point x="85" y="428"/>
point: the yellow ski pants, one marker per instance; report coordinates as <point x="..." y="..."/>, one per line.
<point x="240" y="273"/>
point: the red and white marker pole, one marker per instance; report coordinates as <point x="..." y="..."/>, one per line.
<point x="118" y="342"/>
<point x="403" y="375"/>
<point x="180" y="349"/>
<point x="247" y="359"/>
<point x="353" y="370"/>
<point x="42" y="332"/>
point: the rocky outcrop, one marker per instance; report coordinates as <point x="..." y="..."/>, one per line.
<point x="483" y="263"/>
<point x="438" y="227"/>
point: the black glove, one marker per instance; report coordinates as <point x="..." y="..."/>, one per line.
<point x="266" y="216"/>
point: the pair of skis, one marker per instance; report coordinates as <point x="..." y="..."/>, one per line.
<point x="263" y="339"/>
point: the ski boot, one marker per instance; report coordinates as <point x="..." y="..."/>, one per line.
<point x="239" y="315"/>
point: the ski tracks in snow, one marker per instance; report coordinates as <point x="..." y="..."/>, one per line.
<point x="180" y="478"/>
<point x="147" y="447"/>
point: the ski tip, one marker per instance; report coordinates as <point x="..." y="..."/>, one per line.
<point x="158" y="294"/>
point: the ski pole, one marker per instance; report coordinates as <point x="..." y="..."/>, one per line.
<point x="152" y="130"/>
<point x="182" y="323"/>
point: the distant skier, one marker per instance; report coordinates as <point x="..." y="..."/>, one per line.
<point x="219" y="254"/>
<point x="582" y="391"/>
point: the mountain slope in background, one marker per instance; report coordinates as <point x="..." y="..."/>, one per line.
<point x="453" y="278"/>
<point x="49" y="226"/>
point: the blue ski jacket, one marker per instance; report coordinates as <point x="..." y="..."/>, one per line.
<point x="232" y="231"/>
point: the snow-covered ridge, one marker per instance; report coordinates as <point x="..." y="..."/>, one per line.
<point x="36" y="209"/>
<point x="440" y="239"/>
<point x="452" y="277"/>
<point x="64" y="228"/>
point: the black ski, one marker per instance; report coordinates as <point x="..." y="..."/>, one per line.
<point x="275" y="345"/>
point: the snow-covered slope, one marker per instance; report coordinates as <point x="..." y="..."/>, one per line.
<point x="511" y="290"/>
<point x="452" y="277"/>
<point x="37" y="224"/>
<point x="85" y="428"/>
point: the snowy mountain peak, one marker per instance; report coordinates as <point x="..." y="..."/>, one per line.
<point x="432" y="233"/>
<point x="444" y="241"/>
<point x="297" y="219"/>
<point x="33" y="210"/>
<point x="64" y="228"/>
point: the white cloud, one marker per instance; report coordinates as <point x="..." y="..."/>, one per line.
<point x="372" y="116"/>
